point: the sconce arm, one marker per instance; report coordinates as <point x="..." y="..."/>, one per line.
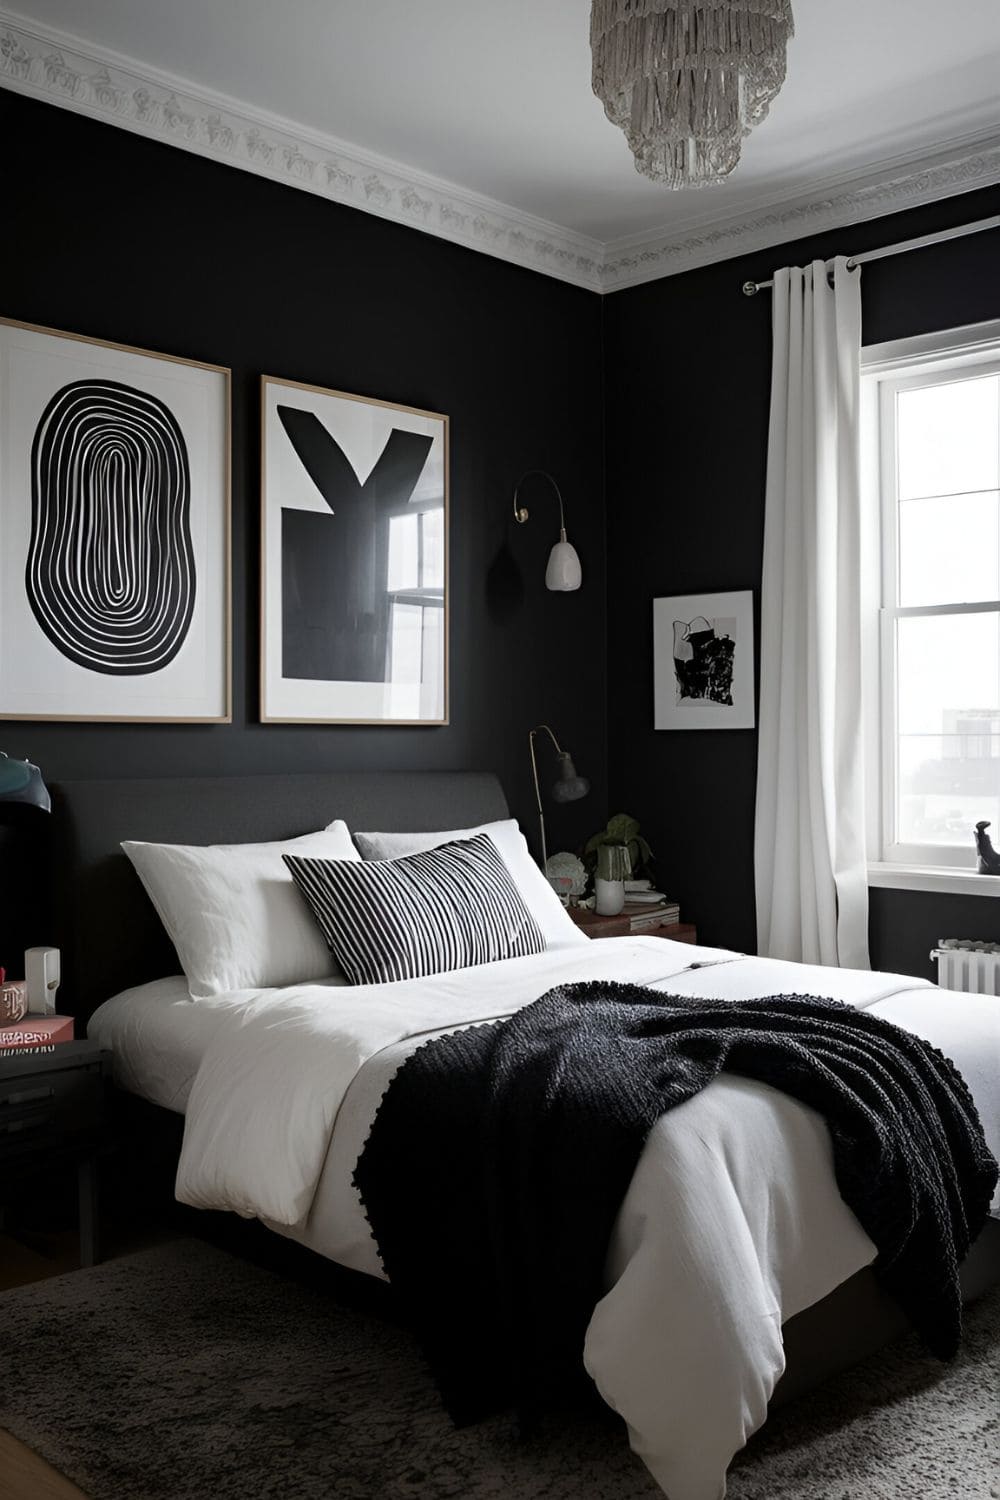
<point x="521" y="512"/>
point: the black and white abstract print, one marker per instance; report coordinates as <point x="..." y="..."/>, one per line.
<point x="355" y="559"/>
<point x="704" y="655"/>
<point x="110" y="573"/>
<point x="703" y="661"/>
<point x="336" y="604"/>
<point x="114" y="532"/>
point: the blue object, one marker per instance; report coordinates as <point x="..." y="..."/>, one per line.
<point x="21" y="781"/>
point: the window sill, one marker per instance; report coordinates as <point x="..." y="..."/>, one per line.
<point x="956" y="882"/>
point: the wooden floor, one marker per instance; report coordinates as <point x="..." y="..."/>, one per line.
<point x="35" y="1258"/>
<point x="25" y="1476"/>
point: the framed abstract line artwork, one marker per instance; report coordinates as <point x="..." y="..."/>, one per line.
<point x="703" y="661"/>
<point x="114" y="532"/>
<point x="354" y="556"/>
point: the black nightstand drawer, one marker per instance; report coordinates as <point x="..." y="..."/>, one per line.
<point x="51" y="1109"/>
<point x="62" y="1105"/>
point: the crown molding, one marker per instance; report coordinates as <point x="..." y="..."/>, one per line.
<point x="961" y="166"/>
<point x="91" y="80"/>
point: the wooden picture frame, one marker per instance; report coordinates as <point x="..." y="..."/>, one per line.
<point x="115" y="532"/>
<point x="354" y="559"/>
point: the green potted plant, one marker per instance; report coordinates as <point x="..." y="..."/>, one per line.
<point x="621" y="829"/>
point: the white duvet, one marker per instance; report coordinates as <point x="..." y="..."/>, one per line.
<point x="732" y="1223"/>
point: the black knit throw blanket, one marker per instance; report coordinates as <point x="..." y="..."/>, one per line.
<point x="501" y="1154"/>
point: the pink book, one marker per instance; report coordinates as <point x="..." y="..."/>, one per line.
<point x="37" y="1031"/>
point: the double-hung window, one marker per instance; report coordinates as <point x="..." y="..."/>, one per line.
<point x="932" y="470"/>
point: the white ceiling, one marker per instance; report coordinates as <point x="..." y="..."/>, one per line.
<point x="495" y="97"/>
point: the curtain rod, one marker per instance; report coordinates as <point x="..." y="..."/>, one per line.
<point x="751" y="288"/>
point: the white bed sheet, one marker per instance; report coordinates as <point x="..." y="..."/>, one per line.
<point x="710" y="1254"/>
<point x="157" y="1036"/>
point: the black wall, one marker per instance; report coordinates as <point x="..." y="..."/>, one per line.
<point x="687" y="377"/>
<point x="120" y="238"/>
<point x="116" y="237"/>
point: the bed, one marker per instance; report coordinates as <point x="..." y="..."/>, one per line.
<point x="730" y="1300"/>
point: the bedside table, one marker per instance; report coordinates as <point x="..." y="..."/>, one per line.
<point x="53" y="1114"/>
<point x="606" y="927"/>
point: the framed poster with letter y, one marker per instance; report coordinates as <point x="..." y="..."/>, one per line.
<point x="354" y="558"/>
<point x="114" y="532"/>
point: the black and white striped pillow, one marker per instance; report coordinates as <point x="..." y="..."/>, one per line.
<point x="446" y="908"/>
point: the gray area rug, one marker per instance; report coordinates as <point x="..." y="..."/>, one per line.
<point x="182" y="1373"/>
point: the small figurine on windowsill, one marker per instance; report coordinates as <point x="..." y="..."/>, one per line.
<point x="988" y="862"/>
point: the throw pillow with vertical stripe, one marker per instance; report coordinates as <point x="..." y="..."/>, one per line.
<point x="445" y="908"/>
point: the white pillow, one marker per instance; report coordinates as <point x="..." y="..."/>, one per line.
<point x="558" y="927"/>
<point x="234" y="913"/>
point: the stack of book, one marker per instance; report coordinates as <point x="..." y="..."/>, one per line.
<point x="646" y="907"/>
<point x="35" y="1034"/>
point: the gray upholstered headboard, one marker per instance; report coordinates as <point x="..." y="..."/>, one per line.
<point x="108" y="931"/>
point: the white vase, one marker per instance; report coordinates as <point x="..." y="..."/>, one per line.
<point x="609" y="897"/>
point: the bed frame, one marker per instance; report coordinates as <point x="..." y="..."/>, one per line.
<point x="111" y="939"/>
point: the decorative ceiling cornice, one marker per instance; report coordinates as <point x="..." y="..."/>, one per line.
<point x="958" y="168"/>
<point x="50" y="65"/>
<point x="80" y="76"/>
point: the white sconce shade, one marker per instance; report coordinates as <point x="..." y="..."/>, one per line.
<point x="563" y="573"/>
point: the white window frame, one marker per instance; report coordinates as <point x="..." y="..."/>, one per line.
<point x="931" y="359"/>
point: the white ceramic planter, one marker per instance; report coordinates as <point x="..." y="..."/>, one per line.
<point x="609" y="897"/>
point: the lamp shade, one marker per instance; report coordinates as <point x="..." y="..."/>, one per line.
<point x="569" y="787"/>
<point x="563" y="573"/>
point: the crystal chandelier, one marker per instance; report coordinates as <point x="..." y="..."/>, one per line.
<point x="686" y="80"/>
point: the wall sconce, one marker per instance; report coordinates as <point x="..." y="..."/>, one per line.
<point x="568" y="786"/>
<point x="563" y="573"/>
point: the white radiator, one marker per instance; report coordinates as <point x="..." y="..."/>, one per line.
<point x="966" y="965"/>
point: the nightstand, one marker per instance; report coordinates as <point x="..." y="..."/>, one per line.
<point x="606" y="927"/>
<point x="53" y="1115"/>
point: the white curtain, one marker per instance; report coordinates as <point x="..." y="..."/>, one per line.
<point x="809" y="845"/>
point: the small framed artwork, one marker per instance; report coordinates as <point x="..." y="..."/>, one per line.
<point x="114" y="532"/>
<point x="703" y="661"/>
<point x="354" y="557"/>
